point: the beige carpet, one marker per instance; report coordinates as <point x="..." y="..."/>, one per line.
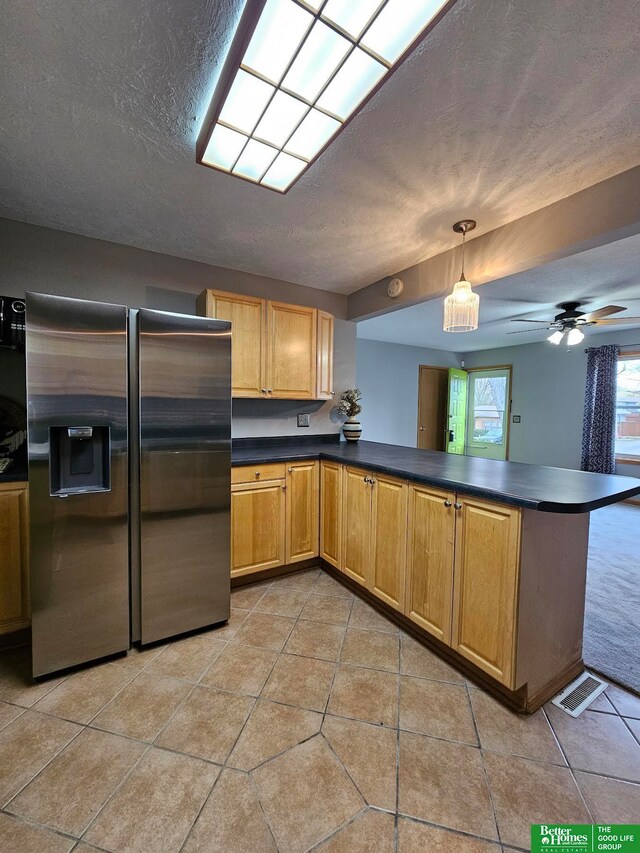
<point x="612" y="620"/>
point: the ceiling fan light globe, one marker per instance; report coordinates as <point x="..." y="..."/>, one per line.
<point x="556" y="337"/>
<point x="574" y="337"/>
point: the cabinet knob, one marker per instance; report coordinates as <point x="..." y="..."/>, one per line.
<point x="457" y="506"/>
<point x="257" y="474"/>
<point x="283" y="488"/>
<point x="366" y="479"/>
<point x="421" y="429"/>
<point x="447" y="503"/>
<point x="372" y="481"/>
<point x="289" y="470"/>
<point x="269" y="391"/>
<point x="264" y="390"/>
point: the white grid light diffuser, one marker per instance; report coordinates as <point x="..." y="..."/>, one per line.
<point x="301" y="72"/>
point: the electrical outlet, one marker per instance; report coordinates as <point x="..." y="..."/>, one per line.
<point x="303" y="420"/>
<point x="516" y="419"/>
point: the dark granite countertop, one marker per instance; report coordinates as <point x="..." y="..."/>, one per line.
<point x="514" y="483"/>
<point x="14" y="476"/>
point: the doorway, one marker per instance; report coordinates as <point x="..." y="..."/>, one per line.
<point x="432" y="406"/>
<point x="487" y="415"/>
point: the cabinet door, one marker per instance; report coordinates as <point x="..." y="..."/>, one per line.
<point x="257" y="527"/>
<point x="247" y="314"/>
<point x="388" y="539"/>
<point x="356" y="523"/>
<point x="14" y="565"/>
<point x="302" y="525"/>
<point x="429" y="586"/>
<point x="291" y="351"/>
<point x="324" y="360"/>
<point x="487" y="546"/>
<point x="331" y="512"/>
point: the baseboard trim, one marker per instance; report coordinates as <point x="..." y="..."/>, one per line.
<point x="278" y="571"/>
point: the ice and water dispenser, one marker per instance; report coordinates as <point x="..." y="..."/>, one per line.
<point x="80" y="460"/>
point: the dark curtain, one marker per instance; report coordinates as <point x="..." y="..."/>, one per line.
<point x="599" y="426"/>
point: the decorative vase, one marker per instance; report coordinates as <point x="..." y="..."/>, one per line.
<point x="352" y="429"/>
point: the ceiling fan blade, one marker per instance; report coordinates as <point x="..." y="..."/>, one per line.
<point x="601" y="312"/>
<point x="546" y="322"/>
<point x="524" y="331"/>
<point x="618" y="321"/>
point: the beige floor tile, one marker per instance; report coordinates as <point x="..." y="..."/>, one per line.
<point x="82" y="695"/>
<point x="369" y="755"/>
<point x="444" y="783"/>
<point x="437" y="709"/>
<point x="230" y="628"/>
<point x="370" y="832"/>
<point x="207" y="724"/>
<point x="231" y="820"/>
<point x="599" y="743"/>
<point x="8" y="713"/>
<point x="300" y="581"/>
<point x="19" y="837"/>
<point x="143" y="707"/>
<point x="602" y="704"/>
<point x="417" y="660"/>
<point x="526" y="792"/>
<point x="156" y="806"/>
<point x="17" y="685"/>
<point x="329" y="586"/>
<point x="272" y="729"/>
<point x="610" y="801"/>
<point x="246" y="597"/>
<point x="27" y="745"/>
<point x="72" y="789"/>
<point x="282" y="602"/>
<point x="137" y="658"/>
<point x="365" y="694"/>
<point x="502" y="730"/>
<point x="316" y="640"/>
<point x="365" y="616"/>
<point x="627" y="704"/>
<point x="187" y="659"/>
<point x="419" y="838"/>
<point x="375" y="649"/>
<point x="300" y="681"/>
<point x="265" y="631"/>
<point x="634" y="725"/>
<point x="241" y="669"/>
<point x="307" y="780"/>
<point x="327" y="608"/>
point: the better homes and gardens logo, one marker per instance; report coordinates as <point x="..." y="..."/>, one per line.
<point x="585" y="838"/>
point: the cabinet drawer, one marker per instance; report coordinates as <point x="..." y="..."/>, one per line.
<point x="258" y="473"/>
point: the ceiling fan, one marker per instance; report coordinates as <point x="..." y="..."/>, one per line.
<point x="571" y="320"/>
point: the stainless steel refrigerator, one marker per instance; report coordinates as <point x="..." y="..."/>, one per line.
<point x="129" y="476"/>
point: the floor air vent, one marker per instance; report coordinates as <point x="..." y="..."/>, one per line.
<point x="580" y="694"/>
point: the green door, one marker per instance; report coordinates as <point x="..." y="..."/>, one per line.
<point x="457" y="410"/>
<point x="488" y="412"/>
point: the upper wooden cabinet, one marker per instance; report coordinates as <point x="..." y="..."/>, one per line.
<point x="249" y="346"/>
<point x="279" y="351"/>
<point x="14" y="552"/>
<point x="485" y="589"/>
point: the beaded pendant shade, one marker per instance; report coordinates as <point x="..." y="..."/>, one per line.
<point x="462" y="305"/>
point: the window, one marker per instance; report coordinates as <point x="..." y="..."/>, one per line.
<point x="628" y="408"/>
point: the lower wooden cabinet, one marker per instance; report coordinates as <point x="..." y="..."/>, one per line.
<point x="430" y="549"/>
<point x="257" y="526"/>
<point x="331" y="512"/>
<point x="485" y="589"/>
<point x="302" y="504"/>
<point x="356" y="524"/>
<point x="14" y="557"/>
<point x="273" y="522"/>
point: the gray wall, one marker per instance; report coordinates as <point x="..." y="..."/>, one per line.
<point x="387" y="375"/>
<point x="547" y="391"/>
<point x="50" y="261"/>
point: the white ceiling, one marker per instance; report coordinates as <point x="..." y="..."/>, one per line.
<point x="609" y="275"/>
<point x="505" y="108"/>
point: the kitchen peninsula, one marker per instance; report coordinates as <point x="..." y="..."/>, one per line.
<point x="484" y="561"/>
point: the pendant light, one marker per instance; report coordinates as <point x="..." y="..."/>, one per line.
<point x="461" y="307"/>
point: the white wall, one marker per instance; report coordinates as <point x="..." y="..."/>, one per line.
<point x="387" y="375"/>
<point x="547" y="391"/>
<point x="48" y="261"/>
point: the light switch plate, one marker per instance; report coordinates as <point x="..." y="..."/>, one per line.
<point x="303" y="420"/>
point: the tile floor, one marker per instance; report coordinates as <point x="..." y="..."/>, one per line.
<point x="308" y="722"/>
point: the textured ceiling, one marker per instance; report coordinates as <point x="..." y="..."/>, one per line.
<point x="507" y="106"/>
<point x="609" y="275"/>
